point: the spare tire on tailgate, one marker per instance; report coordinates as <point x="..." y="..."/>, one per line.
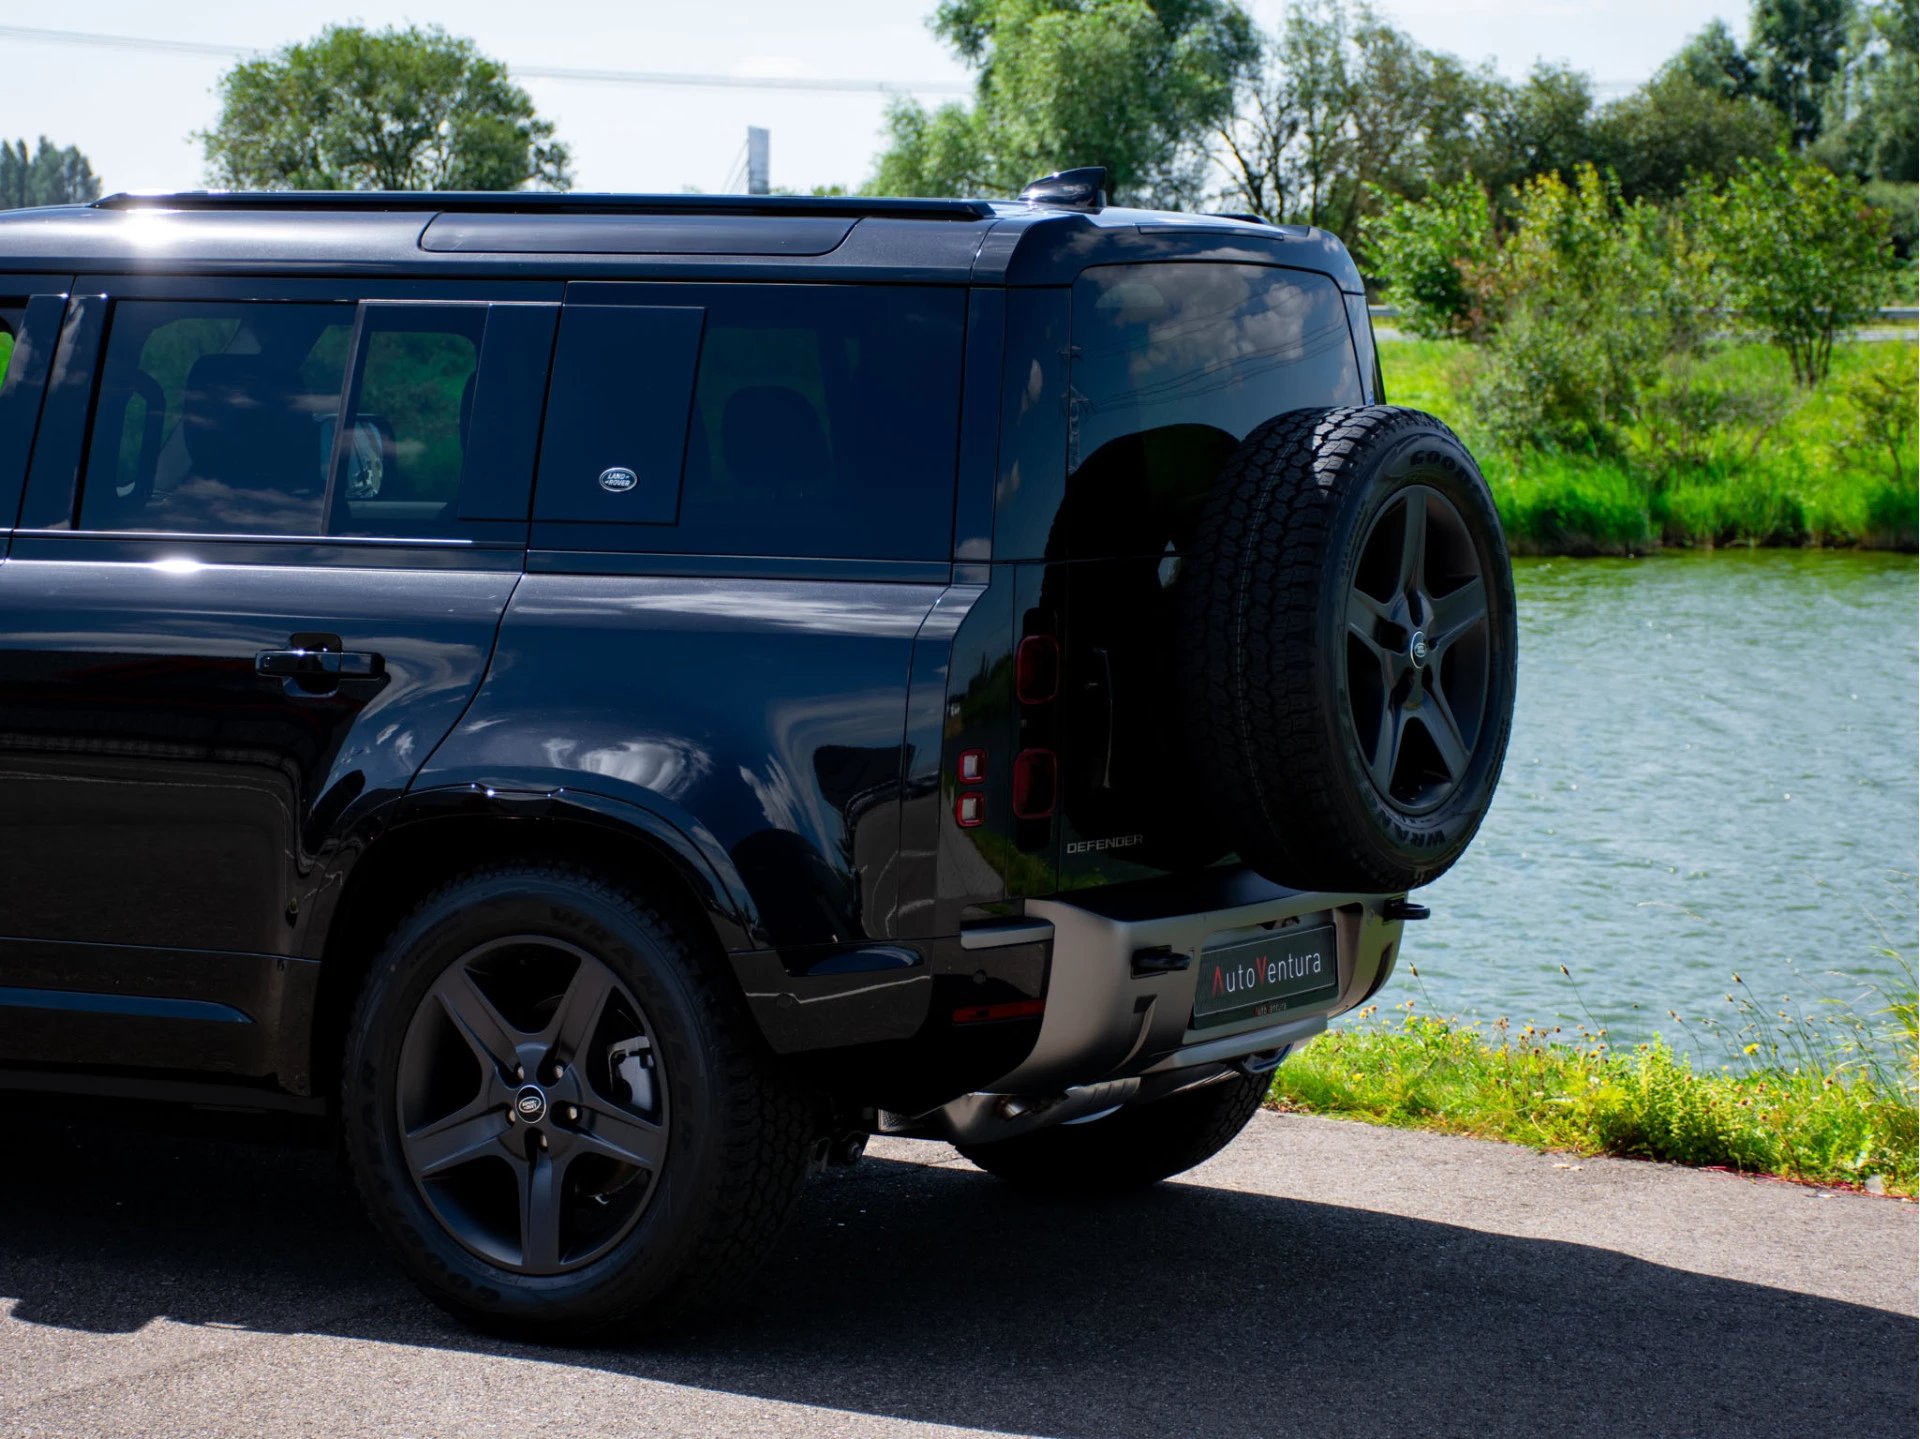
<point x="1349" y="648"/>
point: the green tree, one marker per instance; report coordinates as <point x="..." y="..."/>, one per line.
<point x="48" y="176"/>
<point x="1798" y="47"/>
<point x="1713" y="60"/>
<point x="1674" y="129"/>
<point x="1872" y="119"/>
<point x="355" y="109"/>
<point x="1346" y="110"/>
<point x="1541" y="127"/>
<point x="1803" y="255"/>
<point x="1135" y="85"/>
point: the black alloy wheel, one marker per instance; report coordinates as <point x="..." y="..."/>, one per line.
<point x="1418" y="675"/>
<point x="532" y="1104"/>
<point x="559" y="1112"/>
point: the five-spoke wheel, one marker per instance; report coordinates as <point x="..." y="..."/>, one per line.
<point x="1417" y="671"/>
<point x="558" y="1111"/>
<point x="532" y="1104"/>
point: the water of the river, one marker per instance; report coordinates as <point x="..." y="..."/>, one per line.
<point x="1713" y="768"/>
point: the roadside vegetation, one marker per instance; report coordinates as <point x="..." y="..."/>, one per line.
<point x="1827" y="1099"/>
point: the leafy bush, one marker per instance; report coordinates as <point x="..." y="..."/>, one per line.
<point x="1884" y="398"/>
<point x="1723" y="448"/>
<point x="1590" y="299"/>
<point x="1803" y="253"/>
<point x="1433" y="255"/>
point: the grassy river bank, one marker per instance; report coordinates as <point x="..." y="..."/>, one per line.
<point x="1725" y="451"/>
<point x="1828" y="1099"/>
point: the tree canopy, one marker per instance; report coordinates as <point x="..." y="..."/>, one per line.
<point x="356" y="109"/>
<point x="1135" y="85"/>
<point x="49" y="175"/>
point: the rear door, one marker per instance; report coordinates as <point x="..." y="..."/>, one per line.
<point x="268" y="534"/>
<point x="1172" y="365"/>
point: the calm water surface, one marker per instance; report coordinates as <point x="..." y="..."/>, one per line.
<point x="1713" y="768"/>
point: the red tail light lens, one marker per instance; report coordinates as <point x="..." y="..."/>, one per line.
<point x="1036" y="783"/>
<point x="970" y="809"/>
<point x="973" y="766"/>
<point x="1036" y="670"/>
<point x="1012" y="1009"/>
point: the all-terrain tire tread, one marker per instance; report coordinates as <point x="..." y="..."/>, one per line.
<point x="769" y="1124"/>
<point x="1254" y="686"/>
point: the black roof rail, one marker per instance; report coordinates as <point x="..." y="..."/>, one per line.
<point x="534" y="202"/>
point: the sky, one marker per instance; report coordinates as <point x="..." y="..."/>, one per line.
<point x="133" y="111"/>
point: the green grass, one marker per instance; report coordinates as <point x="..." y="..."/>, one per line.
<point x="1725" y="451"/>
<point x="1828" y="1100"/>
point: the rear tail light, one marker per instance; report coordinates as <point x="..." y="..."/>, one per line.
<point x="1036" y="783"/>
<point x="970" y="809"/>
<point x="1036" y="670"/>
<point x="1012" y="1009"/>
<point x="973" y="766"/>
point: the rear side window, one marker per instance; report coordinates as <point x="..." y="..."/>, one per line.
<point x="256" y="418"/>
<point x="1173" y="364"/>
<point x="1224" y="346"/>
<point x="407" y="425"/>
<point x="821" y="421"/>
<point x="215" y="418"/>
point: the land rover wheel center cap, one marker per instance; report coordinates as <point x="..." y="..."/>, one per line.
<point x="530" y="1104"/>
<point x="1418" y="650"/>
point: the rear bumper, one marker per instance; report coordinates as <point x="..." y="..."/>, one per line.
<point x="1114" y="1031"/>
<point x="1104" y="1021"/>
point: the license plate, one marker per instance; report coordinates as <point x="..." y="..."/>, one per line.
<point x="1260" y="976"/>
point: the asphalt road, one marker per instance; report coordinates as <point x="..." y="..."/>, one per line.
<point x="1318" y="1278"/>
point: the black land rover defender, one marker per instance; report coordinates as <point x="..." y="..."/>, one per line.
<point x="617" y="699"/>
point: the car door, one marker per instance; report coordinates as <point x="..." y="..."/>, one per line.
<point x="267" y="537"/>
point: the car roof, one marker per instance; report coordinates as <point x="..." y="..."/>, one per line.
<point x="530" y="235"/>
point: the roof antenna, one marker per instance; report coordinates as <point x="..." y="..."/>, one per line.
<point x="1083" y="189"/>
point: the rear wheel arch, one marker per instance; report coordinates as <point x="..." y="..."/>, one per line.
<point x="428" y="845"/>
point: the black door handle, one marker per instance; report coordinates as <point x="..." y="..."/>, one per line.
<point x="316" y="664"/>
<point x="334" y="663"/>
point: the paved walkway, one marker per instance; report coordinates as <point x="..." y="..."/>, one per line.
<point x="1319" y="1278"/>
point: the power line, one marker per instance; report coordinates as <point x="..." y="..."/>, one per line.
<point x="525" y="72"/>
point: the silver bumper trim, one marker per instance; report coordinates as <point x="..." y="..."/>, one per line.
<point x="1238" y="1046"/>
<point x="1001" y="933"/>
<point x="1105" y="1021"/>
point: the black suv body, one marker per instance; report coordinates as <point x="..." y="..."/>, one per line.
<point x="805" y="576"/>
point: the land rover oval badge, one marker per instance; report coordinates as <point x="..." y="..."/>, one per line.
<point x="618" y="479"/>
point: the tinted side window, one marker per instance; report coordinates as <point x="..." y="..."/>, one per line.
<point x="1173" y="364"/>
<point x="1201" y="344"/>
<point x="215" y="418"/>
<point x="412" y="407"/>
<point x="823" y="423"/>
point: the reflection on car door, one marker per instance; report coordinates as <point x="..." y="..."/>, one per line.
<point x="214" y="680"/>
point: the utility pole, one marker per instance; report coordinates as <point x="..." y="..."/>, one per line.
<point x="757" y="182"/>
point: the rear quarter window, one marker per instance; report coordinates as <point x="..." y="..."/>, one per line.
<point x="1173" y="364"/>
<point x="821" y="422"/>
